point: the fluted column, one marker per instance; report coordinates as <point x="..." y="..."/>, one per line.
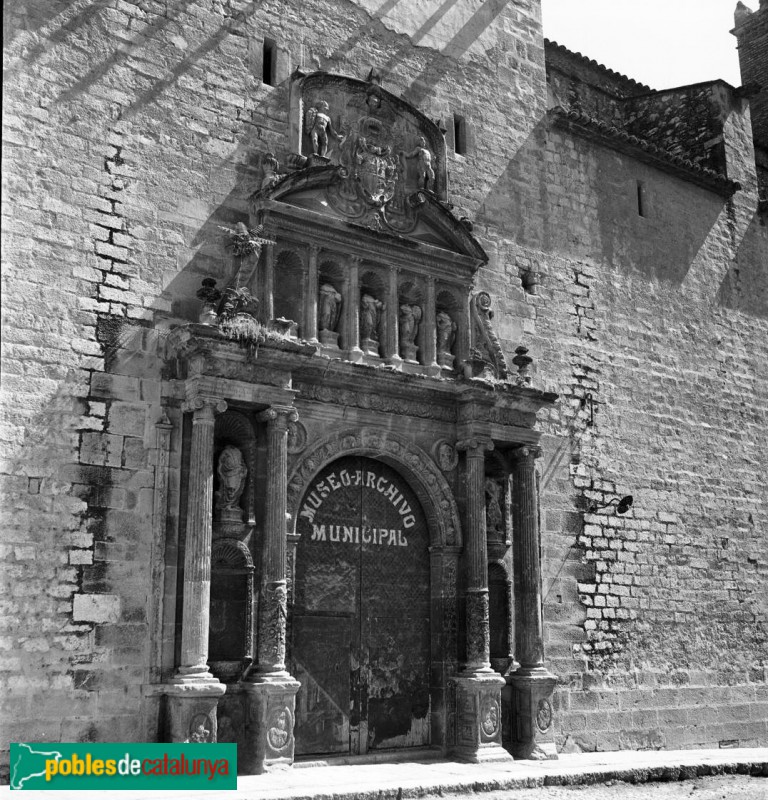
<point x="530" y="645"/>
<point x="392" y="345"/>
<point x="273" y="605"/>
<point x="193" y="693"/>
<point x="476" y="556"/>
<point x="197" y="555"/>
<point x="310" y="299"/>
<point x="352" y="310"/>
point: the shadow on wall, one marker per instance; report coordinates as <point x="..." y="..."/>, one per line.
<point x="565" y="195"/>
<point x="745" y="285"/>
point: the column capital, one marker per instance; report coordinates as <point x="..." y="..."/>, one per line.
<point x="474" y="446"/>
<point x="354" y="260"/>
<point x="279" y="415"/>
<point x="313" y="249"/>
<point x="204" y="405"/>
<point x="525" y="453"/>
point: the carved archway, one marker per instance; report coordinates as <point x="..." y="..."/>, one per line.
<point x="418" y="469"/>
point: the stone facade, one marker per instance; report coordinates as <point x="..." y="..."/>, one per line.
<point x="618" y="235"/>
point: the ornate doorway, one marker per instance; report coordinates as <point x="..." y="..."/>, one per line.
<point x="360" y="627"/>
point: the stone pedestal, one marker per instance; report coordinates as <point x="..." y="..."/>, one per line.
<point x="478" y="718"/>
<point x="370" y="347"/>
<point x="269" y="740"/>
<point x="528" y="695"/>
<point x="191" y="709"/>
<point x="409" y="353"/>
<point x="329" y="339"/>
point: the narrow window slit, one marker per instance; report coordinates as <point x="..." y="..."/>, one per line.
<point x="269" y="58"/>
<point x="459" y="135"/>
<point x="640" y="199"/>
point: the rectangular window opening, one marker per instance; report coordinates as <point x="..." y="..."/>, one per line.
<point x="269" y="59"/>
<point x="640" y="199"/>
<point x="459" y="135"/>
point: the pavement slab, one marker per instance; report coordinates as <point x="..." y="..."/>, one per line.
<point x="422" y="779"/>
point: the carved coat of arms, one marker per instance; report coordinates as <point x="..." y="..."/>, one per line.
<point x="367" y="156"/>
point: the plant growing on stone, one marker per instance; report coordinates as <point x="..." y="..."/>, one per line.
<point x="244" y="241"/>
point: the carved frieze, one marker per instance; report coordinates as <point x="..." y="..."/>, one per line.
<point x="375" y="402"/>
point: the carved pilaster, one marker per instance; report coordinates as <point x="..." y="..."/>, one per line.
<point x="430" y="329"/>
<point x="269" y="283"/>
<point x="351" y="310"/>
<point x="532" y="685"/>
<point x="310" y="301"/>
<point x="273" y="599"/>
<point x="392" y="345"/>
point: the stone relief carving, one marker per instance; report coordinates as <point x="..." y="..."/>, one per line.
<point x="274" y="607"/>
<point x="297" y="437"/>
<point x="544" y="715"/>
<point x="478" y="626"/>
<point x="494" y="513"/>
<point x="409" y="318"/>
<point x="446" y="455"/>
<point x="486" y="357"/>
<point x="232" y="472"/>
<point x="280" y="729"/>
<point x="490" y="717"/>
<point x="375" y="402"/>
<point x="201" y="729"/>
<point x="431" y="488"/>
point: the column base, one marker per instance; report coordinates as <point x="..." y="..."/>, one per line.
<point x="191" y="703"/>
<point x="527" y="699"/>
<point x="478" y="718"/>
<point x="270" y="705"/>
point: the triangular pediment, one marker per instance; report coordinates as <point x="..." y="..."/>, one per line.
<point x="364" y="157"/>
<point x="428" y="221"/>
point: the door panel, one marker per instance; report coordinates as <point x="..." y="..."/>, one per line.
<point x="362" y="587"/>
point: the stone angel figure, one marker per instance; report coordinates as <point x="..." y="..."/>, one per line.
<point x="370" y="316"/>
<point x="410" y="316"/>
<point x="424" y="170"/>
<point x="318" y="125"/>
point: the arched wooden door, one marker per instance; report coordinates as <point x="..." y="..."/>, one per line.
<point x="360" y="632"/>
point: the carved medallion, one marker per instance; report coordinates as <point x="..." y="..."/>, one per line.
<point x="490" y="717"/>
<point x="297" y="437"/>
<point x="280" y="728"/>
<point x="201" y="729"/>
<point x="446" y="456"/>
<point x="544" y="715"/>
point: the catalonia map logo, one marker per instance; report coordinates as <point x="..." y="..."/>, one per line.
<point x="129" y="765"/>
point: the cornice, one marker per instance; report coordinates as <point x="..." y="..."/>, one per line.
<point x="610" y="136"/>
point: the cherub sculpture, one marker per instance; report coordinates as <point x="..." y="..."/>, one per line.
<point x="318" y="125"/>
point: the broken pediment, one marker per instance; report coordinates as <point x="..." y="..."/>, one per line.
<point x="363" y="156"/>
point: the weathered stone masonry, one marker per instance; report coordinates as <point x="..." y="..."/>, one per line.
<point x="134" y="130"/>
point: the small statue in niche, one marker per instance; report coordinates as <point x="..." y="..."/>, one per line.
<point x="232" y="472"/>
<point x="494" y="518"/>
<point x="410" y="316"/>
<point x="426" y="174"/>
<point x="318" y="124"/>
<point x="370" y="315"/>
<point x="446" y="335"/>
<point x="329" y="308"/>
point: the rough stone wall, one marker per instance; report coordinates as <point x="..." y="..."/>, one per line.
<point x="131" y="130"/>
<point x="752" y="34"/>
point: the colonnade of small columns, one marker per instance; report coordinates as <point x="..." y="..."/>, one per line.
<point x="416" y="320"/>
